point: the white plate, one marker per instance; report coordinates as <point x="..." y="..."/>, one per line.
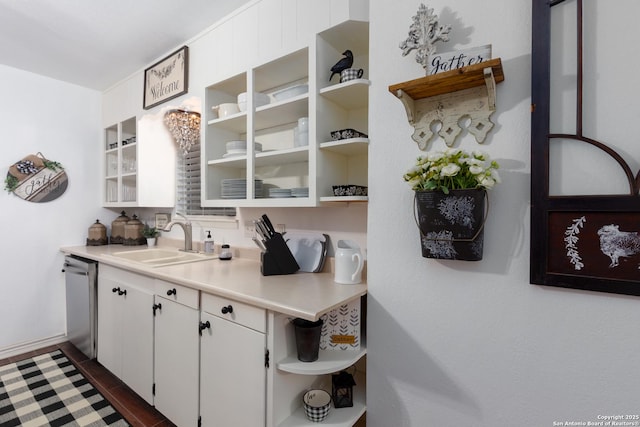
<point x="291" y="92"/>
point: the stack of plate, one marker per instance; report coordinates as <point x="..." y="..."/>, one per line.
<point x="300" y="192"/>
<point x="239" y="148"/>
<point x="237" y="188"/>
<point x="280" y="192"/>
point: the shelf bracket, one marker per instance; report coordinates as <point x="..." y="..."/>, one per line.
<point x="447" y="103"/>
<point x="490" y="82"/>
<point x="409" y="104"/>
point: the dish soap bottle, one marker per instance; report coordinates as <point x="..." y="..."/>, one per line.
<point x="208" y="243"/>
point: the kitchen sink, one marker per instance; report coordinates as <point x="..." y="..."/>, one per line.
<point x="161" y="257"/>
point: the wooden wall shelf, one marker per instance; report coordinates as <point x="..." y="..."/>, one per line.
<point x="450" y="81"/>
<point x="447" y="97"/>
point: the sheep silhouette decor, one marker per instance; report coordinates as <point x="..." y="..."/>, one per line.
<point x="343" y="64"/>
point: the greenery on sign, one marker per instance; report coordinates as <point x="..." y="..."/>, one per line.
<point x="10" y="183"/>
<point x="453" y="169"/>
<point x="54" y="166"/>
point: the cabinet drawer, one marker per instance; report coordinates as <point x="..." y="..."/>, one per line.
<point x="177" y="293"/>
<point x="124" y="277"/>
<point x="237" y="312"/>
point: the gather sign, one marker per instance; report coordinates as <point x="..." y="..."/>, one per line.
<point x="448" y="61"/>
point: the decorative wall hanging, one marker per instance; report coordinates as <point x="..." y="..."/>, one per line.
<point x="424" y="32"/>
<point x="36" y="179"/>
<point x="459" y="85"/>
<point x="583" y="241"/>
<point x="167" y="78"/>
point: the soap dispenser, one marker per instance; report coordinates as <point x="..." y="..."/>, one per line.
<point x="208" y="243"/>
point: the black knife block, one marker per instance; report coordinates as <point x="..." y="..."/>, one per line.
<point x="277" y="259"/>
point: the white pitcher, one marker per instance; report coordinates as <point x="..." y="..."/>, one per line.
<point x="348" y="263"/>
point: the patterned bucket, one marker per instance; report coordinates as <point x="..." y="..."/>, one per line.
<point x="451" y="225"/>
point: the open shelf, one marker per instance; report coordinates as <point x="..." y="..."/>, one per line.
<point x="449" y="81"/>
<point x="329" y="361"/>
<point x="350" y="95"/>
<point x="278" y="157"/>
<point x="344" y="199"/>
<point x="348" y="147"/>
<point x="340" y="417"/>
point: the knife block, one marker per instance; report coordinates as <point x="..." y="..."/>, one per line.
<point x="277" y="259"/>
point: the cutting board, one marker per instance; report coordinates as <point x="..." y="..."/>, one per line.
<point x="309" y="250"/>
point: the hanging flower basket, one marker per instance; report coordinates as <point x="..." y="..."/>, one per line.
<point x="452" y="225"/>
<point x="451" y="203"/>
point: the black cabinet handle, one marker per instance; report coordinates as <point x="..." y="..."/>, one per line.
<point x="203" y="326"/>
<point x="227" y="309"/>
<point x="122" y="292"/>
<point x="114" y="290"/>
<point x="156" y="307"/>
<point x="171" y="292"/>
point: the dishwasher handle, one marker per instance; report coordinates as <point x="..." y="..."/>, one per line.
<point x="69" y="268"/>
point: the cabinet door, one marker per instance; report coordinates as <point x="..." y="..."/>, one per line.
<point x="233" y="374"/>
<point x="137" y="341"/>
<point x="176" y="362"/>
<point x="109" y="326"/>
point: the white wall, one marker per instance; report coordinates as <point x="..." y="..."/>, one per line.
<point x="453" y="343"/>
<point x="62" y="121"/>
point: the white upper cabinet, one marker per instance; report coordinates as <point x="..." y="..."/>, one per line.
<point x="287" y="112"/>
<point x="139" y="164"/>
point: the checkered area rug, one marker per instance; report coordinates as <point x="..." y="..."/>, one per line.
<point x="48" y="390"/>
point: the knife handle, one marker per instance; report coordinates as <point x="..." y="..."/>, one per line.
<point x="269" y="225"/>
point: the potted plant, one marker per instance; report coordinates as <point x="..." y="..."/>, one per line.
<point x="150" y="233"/>
<point x="450" y="193"/>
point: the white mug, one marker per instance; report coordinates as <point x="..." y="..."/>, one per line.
<point x="348" y="263"/>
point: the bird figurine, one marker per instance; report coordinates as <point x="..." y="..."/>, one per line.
<point x="343" y="64"/>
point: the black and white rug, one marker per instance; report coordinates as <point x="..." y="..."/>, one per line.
<point x="48" y="390"/>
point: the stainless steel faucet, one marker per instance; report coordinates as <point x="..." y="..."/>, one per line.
<point x="186" y="227"/>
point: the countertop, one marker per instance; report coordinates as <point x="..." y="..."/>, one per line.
<point x="304" y="295"/>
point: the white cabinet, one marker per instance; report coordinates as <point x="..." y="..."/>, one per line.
<point x="232" y="363"/>
<point x="176" y="353"/>
<point x="125" y="328"/>
<point x="139" y="164"/>
<point x="281" y="162"/>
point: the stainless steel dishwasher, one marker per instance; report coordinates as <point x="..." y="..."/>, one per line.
<point x="81" y="281"/>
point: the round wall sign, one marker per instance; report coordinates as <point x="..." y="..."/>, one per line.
<point x="36" y="179"/>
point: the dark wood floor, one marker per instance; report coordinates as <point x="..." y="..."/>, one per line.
<point x="136" y="411"/>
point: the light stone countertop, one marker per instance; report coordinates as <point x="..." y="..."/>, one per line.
<point x="304" y="295"/>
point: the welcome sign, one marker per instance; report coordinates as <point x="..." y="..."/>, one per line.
<point x="167" y="78"/>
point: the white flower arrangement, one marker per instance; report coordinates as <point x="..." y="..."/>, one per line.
<point x="453" y="169"/>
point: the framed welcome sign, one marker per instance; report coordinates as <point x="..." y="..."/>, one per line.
<point x="167" y="78"/>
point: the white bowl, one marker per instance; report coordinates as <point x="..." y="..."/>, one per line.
<point x="291" y="92"/>
<point x="226" y="109"/>
<point x="260" y="100"/>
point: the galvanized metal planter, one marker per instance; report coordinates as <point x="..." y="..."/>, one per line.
<point x="452" y="225"/>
